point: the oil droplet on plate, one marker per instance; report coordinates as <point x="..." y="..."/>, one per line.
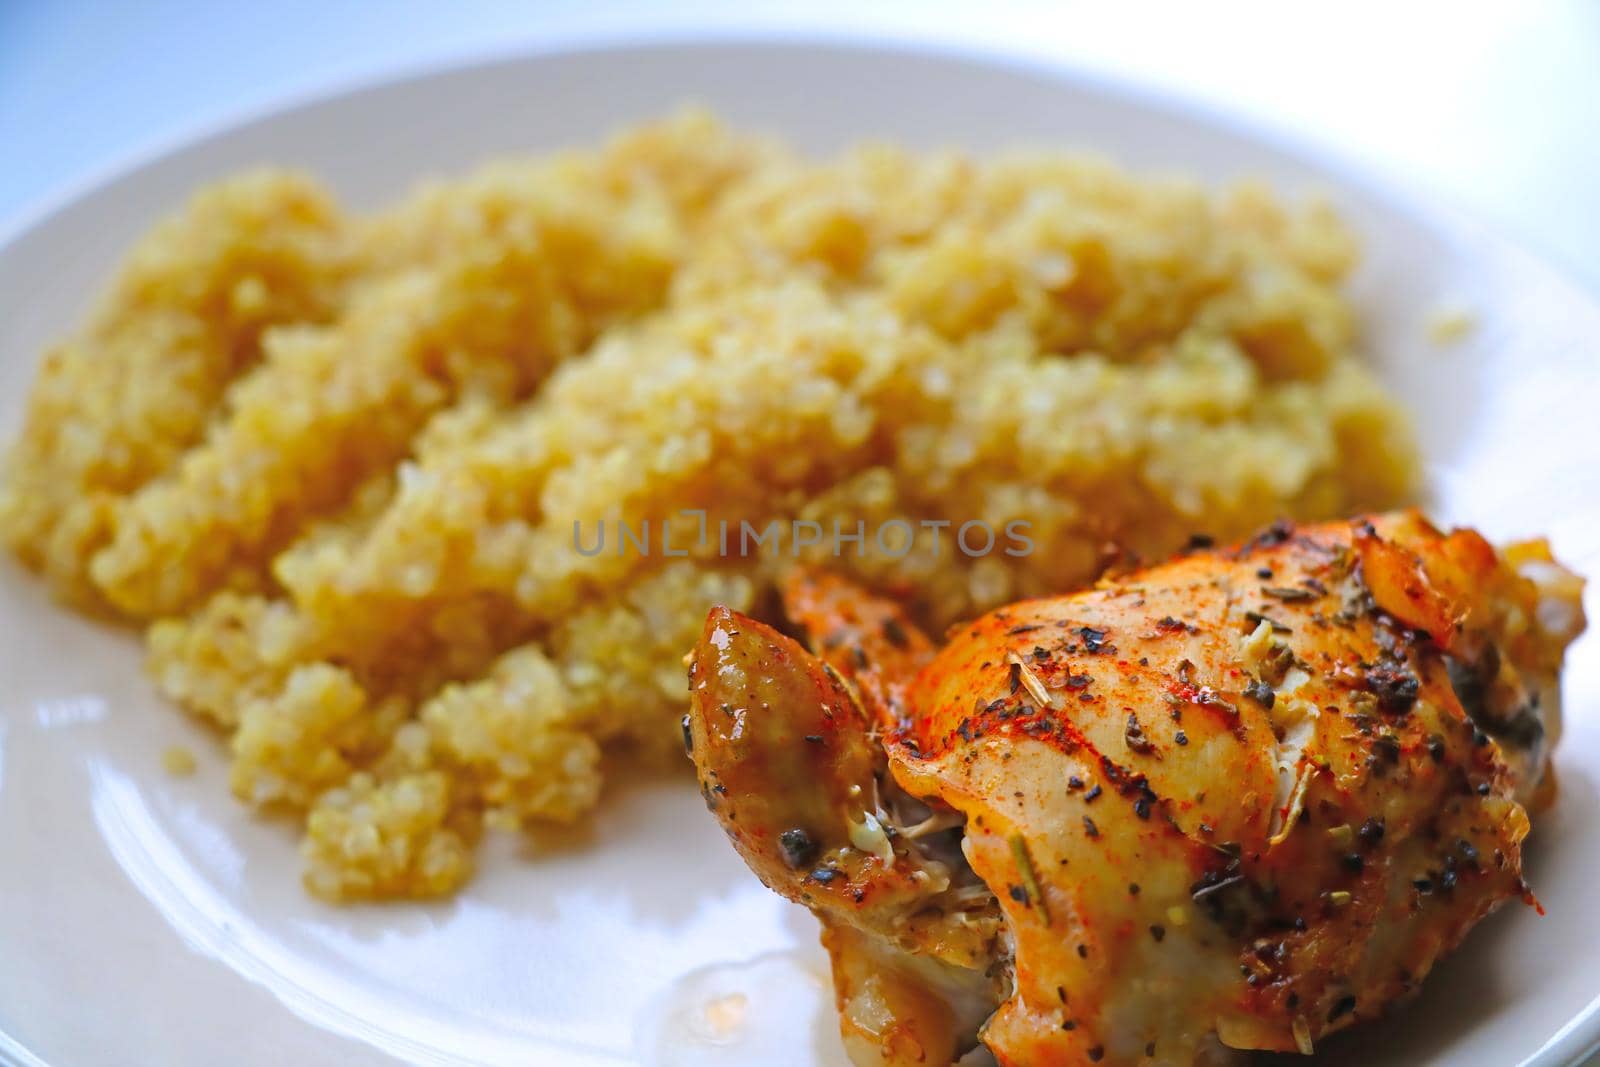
<point x="774" y="1009"/>
<point x="724" y="1016"/>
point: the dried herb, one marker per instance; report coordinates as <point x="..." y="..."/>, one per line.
<point x="1019" y="853"/>
<point x="1133" y="735"/>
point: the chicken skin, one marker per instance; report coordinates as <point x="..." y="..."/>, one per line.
<point x="1240" y="800"/>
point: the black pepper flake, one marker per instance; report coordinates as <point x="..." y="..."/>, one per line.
<point x="798" y="848"/>
<point x="1141" y="807"/>
<point x="1069" y="1024"/>
<point x="895" y="633"/>
<point x="1287" y="593"/>
<point x="1181" y="738"/>
<point x="1198" y="541"/>
<point x="1436" y="748"/>
<point x="1371" y="831"/>
<point x="815" y="739"/>
<point x="1158" y="932"/>
<point x="1074" y="782"/>
<point x="824" y="875"/>
<point x="1083" y="952"/>
<point x="1018" y="894"/>
<point x="1353" y="862"/>
<point x="1264" y="573"/>
<point x="1276" y="534"/>
<point x="688" y="738"/>
<point x="1015" y="681"/>
<point x="1261" y="693"/>
<point x="1395" y="687"/>
<point x="1093" y="640"/>
<point x="1097" y="1054"/>
<point x="1090" y="828"/>
<point x="1133" y="889"/>
<point x="1093" y="793"/>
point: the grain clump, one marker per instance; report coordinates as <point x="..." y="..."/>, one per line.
<point x="332" y="464"/>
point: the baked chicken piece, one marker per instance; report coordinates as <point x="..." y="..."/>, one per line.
<point x="1239" y="800"/>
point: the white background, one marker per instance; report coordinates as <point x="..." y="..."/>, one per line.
<point x="1495" y="106"/>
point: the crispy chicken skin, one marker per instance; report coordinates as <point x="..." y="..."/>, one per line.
<point x="1239" y="800"/>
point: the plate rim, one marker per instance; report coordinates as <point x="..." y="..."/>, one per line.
<point x="1579" y="1037"/>
<point x="1437" y="208"/>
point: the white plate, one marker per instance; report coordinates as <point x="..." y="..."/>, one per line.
<point x="149" y="920"/>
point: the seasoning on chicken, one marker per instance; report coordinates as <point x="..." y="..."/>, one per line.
<point x="1237" y="801"/>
